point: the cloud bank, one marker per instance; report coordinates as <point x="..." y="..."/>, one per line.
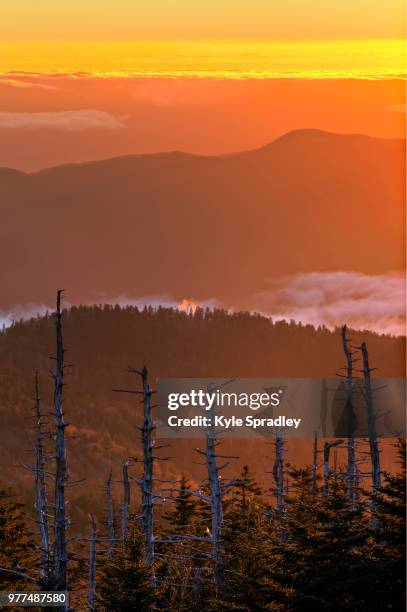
<point x="74" y="120"/>
<point x="23" y="84"/>
<point x="23" y="312"/>
<point x="361" y="301"/>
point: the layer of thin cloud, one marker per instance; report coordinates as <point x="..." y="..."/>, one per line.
<point x="74" y="120"/>
<point x="23" y="84"/>
<point x="23" y="312"/>
<point x="397" y="108"/>
<point x="362" y="301"/>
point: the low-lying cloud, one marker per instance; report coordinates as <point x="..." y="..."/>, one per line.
<point x="23" y="84"/>
<point x="73" y="120"/>
<point x="362" y="301"/>
<point x="397" y="108"/>
<point x="23" y="312"/>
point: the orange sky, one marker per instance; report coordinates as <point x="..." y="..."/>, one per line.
<point x="125" y="20"/>
<point x="85" y="80"/>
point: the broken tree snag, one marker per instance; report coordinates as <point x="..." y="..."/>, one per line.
<point x="41" y="503"/>
<point x="371" y="418"/>
<point x="350" y="414"/>
<point x="110" y="513"/>
<point x="148" y="465"/>
<point x="146" y="482"/>
<point x="324" y="406"/>
<point x="61" y="470"/>
<point x="315" y="464"/>
<point x="326" y="470"/>
<point x="124" y="513"/>
<point x="92" y="565"/>
<point x="215" y="489"/>
<point x="278" y="471"/>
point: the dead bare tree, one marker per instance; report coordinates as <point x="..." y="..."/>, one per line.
<point x="148" y="465"/>
<point x="92" y="565"/>
<point x="217" y="488"/>
<point x="315" y="463"/>
<point x="61" y="470"/>
<point x="146" y="483"/>
<point x="350" y="415"/>
<point x="110" y="513"/>
<point x="324" y="406"/>
<point x="326" y="469"/>
<point x="215" y="493"/>
<point x="371" y="418"/>
<point x="124" y="511"/>
<point x="278" y="471"/>
<point x="150" y="496"/>
<point x="41" y="501"/>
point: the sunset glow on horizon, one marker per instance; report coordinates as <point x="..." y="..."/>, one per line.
<point x="308" y="59"/>
<point x="105" y="79"/>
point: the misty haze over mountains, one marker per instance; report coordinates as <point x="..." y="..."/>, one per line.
<point x="276" y="229"/>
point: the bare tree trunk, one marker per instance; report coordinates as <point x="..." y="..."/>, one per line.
<point x="124" y="513"/>
<point x="148" y="466"/>
<point x="315" y="464"/>
<point x="350" y="414"/>
<point x="215" y="493"/>
<point x="371" y="419"/>
<point x="92" y="565"/>
<point x="324" y="406"/>
<point x="41" y="502"/>
<point x="278" y="471"/>
<point x="110" y="513"/>
<point x="147" y="481"/>
<point x="61" y="471"/>
<point x="326" y="469"/>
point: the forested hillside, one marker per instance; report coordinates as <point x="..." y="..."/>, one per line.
<point x="258" y="542"/>
<point x="101" y="343"/>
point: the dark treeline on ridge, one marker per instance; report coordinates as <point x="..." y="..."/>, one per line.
<point x="103" y="339"/>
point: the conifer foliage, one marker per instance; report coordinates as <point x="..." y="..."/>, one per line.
<point x="17" y="555"/>
<point x="125" y="582"/>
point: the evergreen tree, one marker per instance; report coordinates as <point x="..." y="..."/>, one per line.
<point x="323" y="556"/>
<point x="16" y="545"/>
<point x="245" y="566"/>
<point x="243" y="506"/>
<point x="185" y="573"/>
<point x="389" y="507"/>
<point x="183" y="510"/>
<point x="125" y="582"/>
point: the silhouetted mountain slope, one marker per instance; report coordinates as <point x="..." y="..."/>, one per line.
<point x="206" y="227"/>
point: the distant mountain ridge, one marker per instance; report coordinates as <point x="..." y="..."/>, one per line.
<point x="203" y="227"/>
<point x="288" y="137"/>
